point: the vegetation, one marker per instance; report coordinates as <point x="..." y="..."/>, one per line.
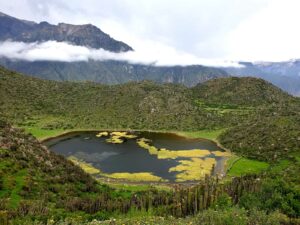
<point x="207" y="134"/>
<point x="244" y="166"/>
<point x="255" y="120"/>
<point x="142" y="177"/>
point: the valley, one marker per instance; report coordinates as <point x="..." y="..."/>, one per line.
<point x="149" y="112"/>
<point x="235" y="113"/>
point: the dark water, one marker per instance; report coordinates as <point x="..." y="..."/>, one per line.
<point x="128" y="156"/>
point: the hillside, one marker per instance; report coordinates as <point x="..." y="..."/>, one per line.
<point x="246" y="91"/>
<point x="269" y="137"/>
<point x="34" y="181"/>
<point x="90" y="105"/>
<point x="14" y="29"/>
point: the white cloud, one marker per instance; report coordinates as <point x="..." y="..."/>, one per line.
<point x="158" y="55"/>
<point x="197" y="27"/>
<point x="272" y="34"/>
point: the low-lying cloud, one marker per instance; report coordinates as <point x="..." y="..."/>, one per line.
<point x="65" y="52"/>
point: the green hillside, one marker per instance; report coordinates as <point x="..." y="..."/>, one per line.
<point x="143" y="105"/>
<point x="247" y="91"/>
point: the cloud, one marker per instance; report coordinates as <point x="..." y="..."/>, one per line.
<point x="264" y="30"/>
<point x="159" y="55"/>
<point x="269" y="35"/>
<point x="195" y="27"/>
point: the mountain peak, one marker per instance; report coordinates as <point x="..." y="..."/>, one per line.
<point x="86" y="35"/>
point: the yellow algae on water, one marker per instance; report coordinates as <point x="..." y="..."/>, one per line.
<point x="194" y="169"/>
<point x="102" y="134"/>
<point x="118" y="137"/>
<point x="143" y="176"/>
<point x="115" y="140"/>
<point x="144" y="143"/>
<point x="88" y="168"/>
<point x="123" y="134"/>
<point x="221" y="154"/>
<point x="118" y="133"/>
<point x="173" y="154"/>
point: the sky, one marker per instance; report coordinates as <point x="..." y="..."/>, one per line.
<point x="169" y="32"/>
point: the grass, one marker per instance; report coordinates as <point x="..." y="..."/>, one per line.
<point x="40" y="133"/>
<point x="281" y="165"/>
<point x="242" y="166"/>
<point x="206" y="134"/>
<point x="38" y="128"/>
<point x="12" y="185"/>
<point x="15" y="198"/>
<point x="139" y="187"/>
<point x="143" y="176"/>
<point x="88" y="168"/>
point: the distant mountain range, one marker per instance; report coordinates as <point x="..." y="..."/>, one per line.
<point x="114" y="72"/>
<point x="283" y="74"/>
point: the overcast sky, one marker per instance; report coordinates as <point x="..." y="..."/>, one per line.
<point x="182" y="30"/>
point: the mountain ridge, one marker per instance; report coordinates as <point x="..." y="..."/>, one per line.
<point x="113" y="72"/>
<point x="86" y="35"/>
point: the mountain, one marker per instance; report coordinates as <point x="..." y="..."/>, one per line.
<point x="83" y="35"/>
<point x="113" y="72"/>
<point x="285" y="75"/>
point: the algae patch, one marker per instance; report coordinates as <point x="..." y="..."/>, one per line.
<point x="88" y="168"/>
<point x="102" y="134"/>
<point x="115" y="140"/>
<point x="118" y="137"/>
<point x="135" y="177"/>
<point x="221" y="154"/>
<point x="142" y="176"/>
<point x="171" y="154"/>
<point x="193" y="169"/>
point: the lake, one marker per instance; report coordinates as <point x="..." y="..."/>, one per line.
<point x="142" y="156"/>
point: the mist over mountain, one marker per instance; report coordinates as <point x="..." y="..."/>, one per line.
<point x="85" y="53"/>
<point x="78" y="66"/>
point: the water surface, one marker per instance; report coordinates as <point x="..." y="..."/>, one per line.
<point x="128" y="156"/>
